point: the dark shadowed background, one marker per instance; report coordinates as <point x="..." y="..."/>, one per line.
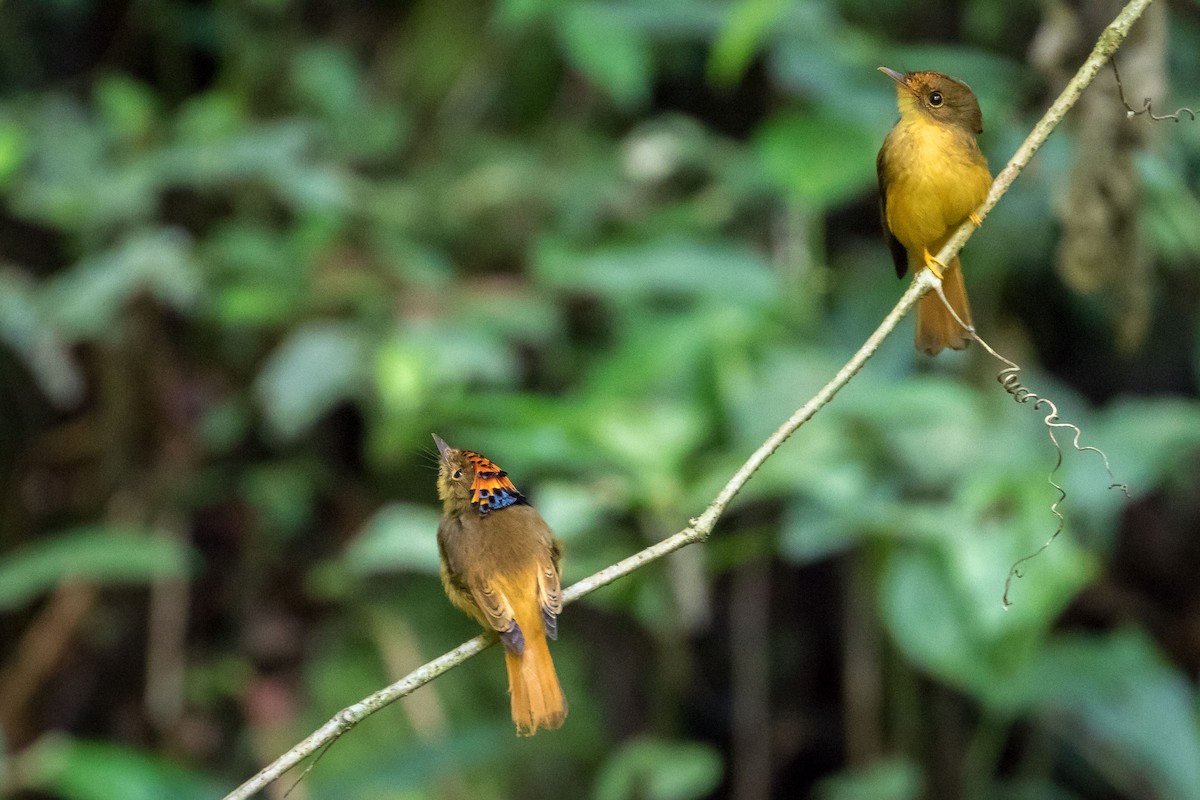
<point x="253" y="253"/>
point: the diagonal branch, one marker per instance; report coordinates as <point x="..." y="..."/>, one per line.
<point x="699" y="528"/>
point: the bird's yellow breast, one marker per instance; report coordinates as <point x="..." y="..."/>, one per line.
<point x="935" y="177"/>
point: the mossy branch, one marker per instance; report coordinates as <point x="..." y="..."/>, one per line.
<point x="701" y="527"/>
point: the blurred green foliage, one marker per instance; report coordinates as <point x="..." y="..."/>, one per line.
<point x="102" y="555"/>
<point x="254" y="253"/>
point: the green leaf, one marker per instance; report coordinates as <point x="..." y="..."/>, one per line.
<point x="652" y="438"/>
<point x="69" y="179"/>
<point x="821" y="159"/>
<point x="749" y="23"/>
<point x="414" y="367"/>
<point x="833" y="67"/>
<point x="885" y="780"/>
<point x="606" y="47"/>
<point x="279" y="154"/>
<point x="98" y="554"/>
<point x="1149" y="441"/>
<point x="318" y="366"/>
<point x="928" y="619"/>
<point x="813" y="528"/>
<point x="573" y="510"/>
<point x="657" y="769"/>
<point x="27" y="330"/>
<point x="209" y="117"/>
<point x="90" y="297"/>
<point x="14" y="149"/>
<point x="1130" y="714"/>
<point x="1169" y="208"/>
<point x="675" y="355"/>
<point x="941" y="597"/>
<point x="517" y="14"/>
<point x="79" y="770"/>
<point x="401" y="536"/>
<point x="910" y="419"/>
<point x="260" y="275"/>
<point x="128" y="106"/>
<point x="671" y="266"/>
<point x="326" y="78"/>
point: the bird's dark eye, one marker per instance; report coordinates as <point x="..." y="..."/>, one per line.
<point x="935" y="99"/>
<point x="457" y="474"/>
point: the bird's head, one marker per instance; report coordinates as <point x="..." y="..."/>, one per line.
<point x="939" y="97"/>
<point x="468" y="480"/>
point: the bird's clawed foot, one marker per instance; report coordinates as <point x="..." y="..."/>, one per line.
<point x="975" y="219"/>
<point x="934" y="266"/>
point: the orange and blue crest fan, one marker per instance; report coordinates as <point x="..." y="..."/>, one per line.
<point x="491" y="490"/>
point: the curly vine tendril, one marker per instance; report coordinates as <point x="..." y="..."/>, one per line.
<point x="1131" y="112"/>
<point x="1010" y="380"/>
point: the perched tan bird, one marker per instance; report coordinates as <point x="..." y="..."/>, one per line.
<point x="932" y="177"/>
<point x="500" y="565"/>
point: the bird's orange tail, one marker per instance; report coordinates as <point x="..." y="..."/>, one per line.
<point x="537" y="699"/>
<point x="936" y="328"/>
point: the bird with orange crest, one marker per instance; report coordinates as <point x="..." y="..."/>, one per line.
<point x="500" y="565"/>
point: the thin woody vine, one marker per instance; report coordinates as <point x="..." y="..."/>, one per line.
<point x="929" y="268"/>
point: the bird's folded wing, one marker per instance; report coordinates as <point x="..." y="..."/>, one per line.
<point x="549" y="597"/>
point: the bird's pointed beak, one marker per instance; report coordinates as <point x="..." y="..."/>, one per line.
<point x="442" y="447"/>
<point x="898" y="77"/>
